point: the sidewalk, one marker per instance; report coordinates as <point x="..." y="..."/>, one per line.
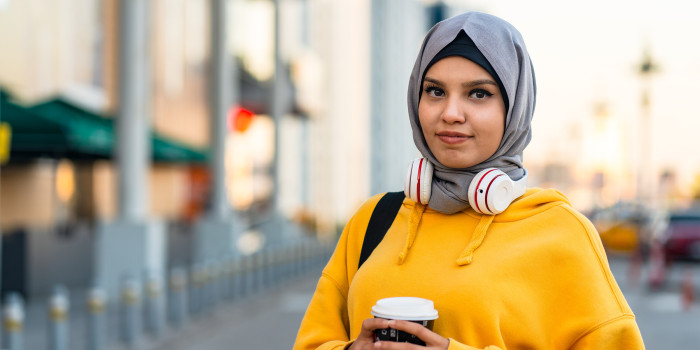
<point x="268" y="320"/>
<point x="662" y="320"/>
<point x="270" y="292"/>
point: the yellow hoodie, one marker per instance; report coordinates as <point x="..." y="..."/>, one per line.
<point x="532" y="277"/>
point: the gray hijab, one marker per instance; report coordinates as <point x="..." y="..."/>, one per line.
<point x="504" y="48"/>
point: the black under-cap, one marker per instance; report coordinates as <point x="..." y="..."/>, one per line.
<point x="463" y="46"/>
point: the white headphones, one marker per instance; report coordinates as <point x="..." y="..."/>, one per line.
<point x="490" y="192"/>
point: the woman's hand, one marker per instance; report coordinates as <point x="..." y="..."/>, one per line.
<point x="366" y="338"/>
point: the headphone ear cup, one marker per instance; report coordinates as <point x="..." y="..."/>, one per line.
<point x="426" y="181"/>
<point x="418" y="181"/>
<point x="491" y="192"/>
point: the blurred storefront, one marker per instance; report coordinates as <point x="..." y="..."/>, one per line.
<point x="58" y="82"/>
<point x="343" y="104"/>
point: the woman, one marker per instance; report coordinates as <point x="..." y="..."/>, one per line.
<point x="534" y="276"/>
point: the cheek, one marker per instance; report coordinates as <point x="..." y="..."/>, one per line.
<point x="423" y="119"/>
<point x="497" y="134"/>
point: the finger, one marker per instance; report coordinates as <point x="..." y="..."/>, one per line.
<point x="370" y="324"/>
<point x="390" y="345"/>
<point x="420" y="331"/>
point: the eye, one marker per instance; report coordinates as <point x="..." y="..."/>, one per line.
<point x="434" y="91"/>
<point x="479" y="94"/>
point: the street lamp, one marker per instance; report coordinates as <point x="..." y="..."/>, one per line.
<point x="646" y="68"/>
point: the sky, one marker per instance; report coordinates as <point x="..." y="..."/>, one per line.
<point x="587" y="53"/>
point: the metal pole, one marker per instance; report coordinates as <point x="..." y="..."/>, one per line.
<point x="223" y="94"/>
<point x="645" y="167"/>
<point x="58" y="316"/>
<point x="378" y="115"/>
<point x="133" y="148"/>
<point x="276" y="111"/>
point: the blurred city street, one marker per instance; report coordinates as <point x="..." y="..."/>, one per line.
<point x="175" y="173"/>
<point x="270" y="320"/>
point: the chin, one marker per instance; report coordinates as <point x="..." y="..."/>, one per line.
<point x="457" y="164"/>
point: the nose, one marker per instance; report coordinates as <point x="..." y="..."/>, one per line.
<point x="454" y="111"/>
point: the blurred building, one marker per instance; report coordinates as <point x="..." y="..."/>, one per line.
<point x="58" y="81"/>
<point x="345" y="73"/>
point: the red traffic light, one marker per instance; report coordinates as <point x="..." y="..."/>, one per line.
<point x="240" y="119"/>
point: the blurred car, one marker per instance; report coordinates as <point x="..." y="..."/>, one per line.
<point x="620" y="226"/>
<point x="681" y="236"/>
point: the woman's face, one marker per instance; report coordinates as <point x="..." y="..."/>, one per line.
<point x="461" y="112"/>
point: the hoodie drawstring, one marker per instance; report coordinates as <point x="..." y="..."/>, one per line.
<point x="479" y="233"/>
<point x="413" y="221"/>
<point x="467" y="255"/>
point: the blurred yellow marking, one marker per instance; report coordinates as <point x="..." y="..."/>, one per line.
<point x="5" y="137"/>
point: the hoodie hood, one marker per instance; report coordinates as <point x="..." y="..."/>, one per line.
<point x="533" y="202"/>
<point x="504" y="48"/>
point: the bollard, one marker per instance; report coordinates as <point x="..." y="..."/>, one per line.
<point x="306" y="256"/>
<point x="298" y="259"/>
<point x="154" y="305"/>
<point x="259" y="267"/>
<point x="206" y="290"/>
<point x="278" y="265"/>
<point x="268" y="267"/>
<point x="13" y="322"/>
<point x="657" y="266"/>
<point x="236" y="278"/>
<point x="214" y="284"/>
<point x="178" y="297"/>
<point x="232" y="275"/>
<point x="58" y="319"/>
<point x="196" y="289"/>
<point x="289" y="270"/>
<point x="687" y="289"/>
<point x="230" y="279"/>
<point x="96" y="305"/>
<point x="224" y="280"/>
<point x="249" y="275"/>
<point x="131" y="312"/>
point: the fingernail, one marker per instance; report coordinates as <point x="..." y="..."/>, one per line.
<point x="390" y="323"/>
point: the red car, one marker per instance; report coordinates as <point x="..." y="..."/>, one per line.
<point x="682" y="236"/>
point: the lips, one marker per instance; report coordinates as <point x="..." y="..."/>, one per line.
<point x="452" y="137"/>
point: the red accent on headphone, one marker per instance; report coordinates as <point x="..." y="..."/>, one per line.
<point x="420" y="166"/>
<point x="486" y="198"/>
<point x="476" y="191"/>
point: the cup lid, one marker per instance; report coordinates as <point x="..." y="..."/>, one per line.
<point x="405" y="308"/>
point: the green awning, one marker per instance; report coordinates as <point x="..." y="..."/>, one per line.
<point x="32" y="135"/>
<point x="168" y="150"/>
<point x="60" y="129"/>
<point x="87" y="135"/>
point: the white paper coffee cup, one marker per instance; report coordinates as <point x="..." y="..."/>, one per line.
<point x="418" y="310"/>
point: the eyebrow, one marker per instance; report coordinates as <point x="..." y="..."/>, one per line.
<point x="466" y="84"/>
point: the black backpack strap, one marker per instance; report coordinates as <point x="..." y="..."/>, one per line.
<point x="380" y="221"/>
